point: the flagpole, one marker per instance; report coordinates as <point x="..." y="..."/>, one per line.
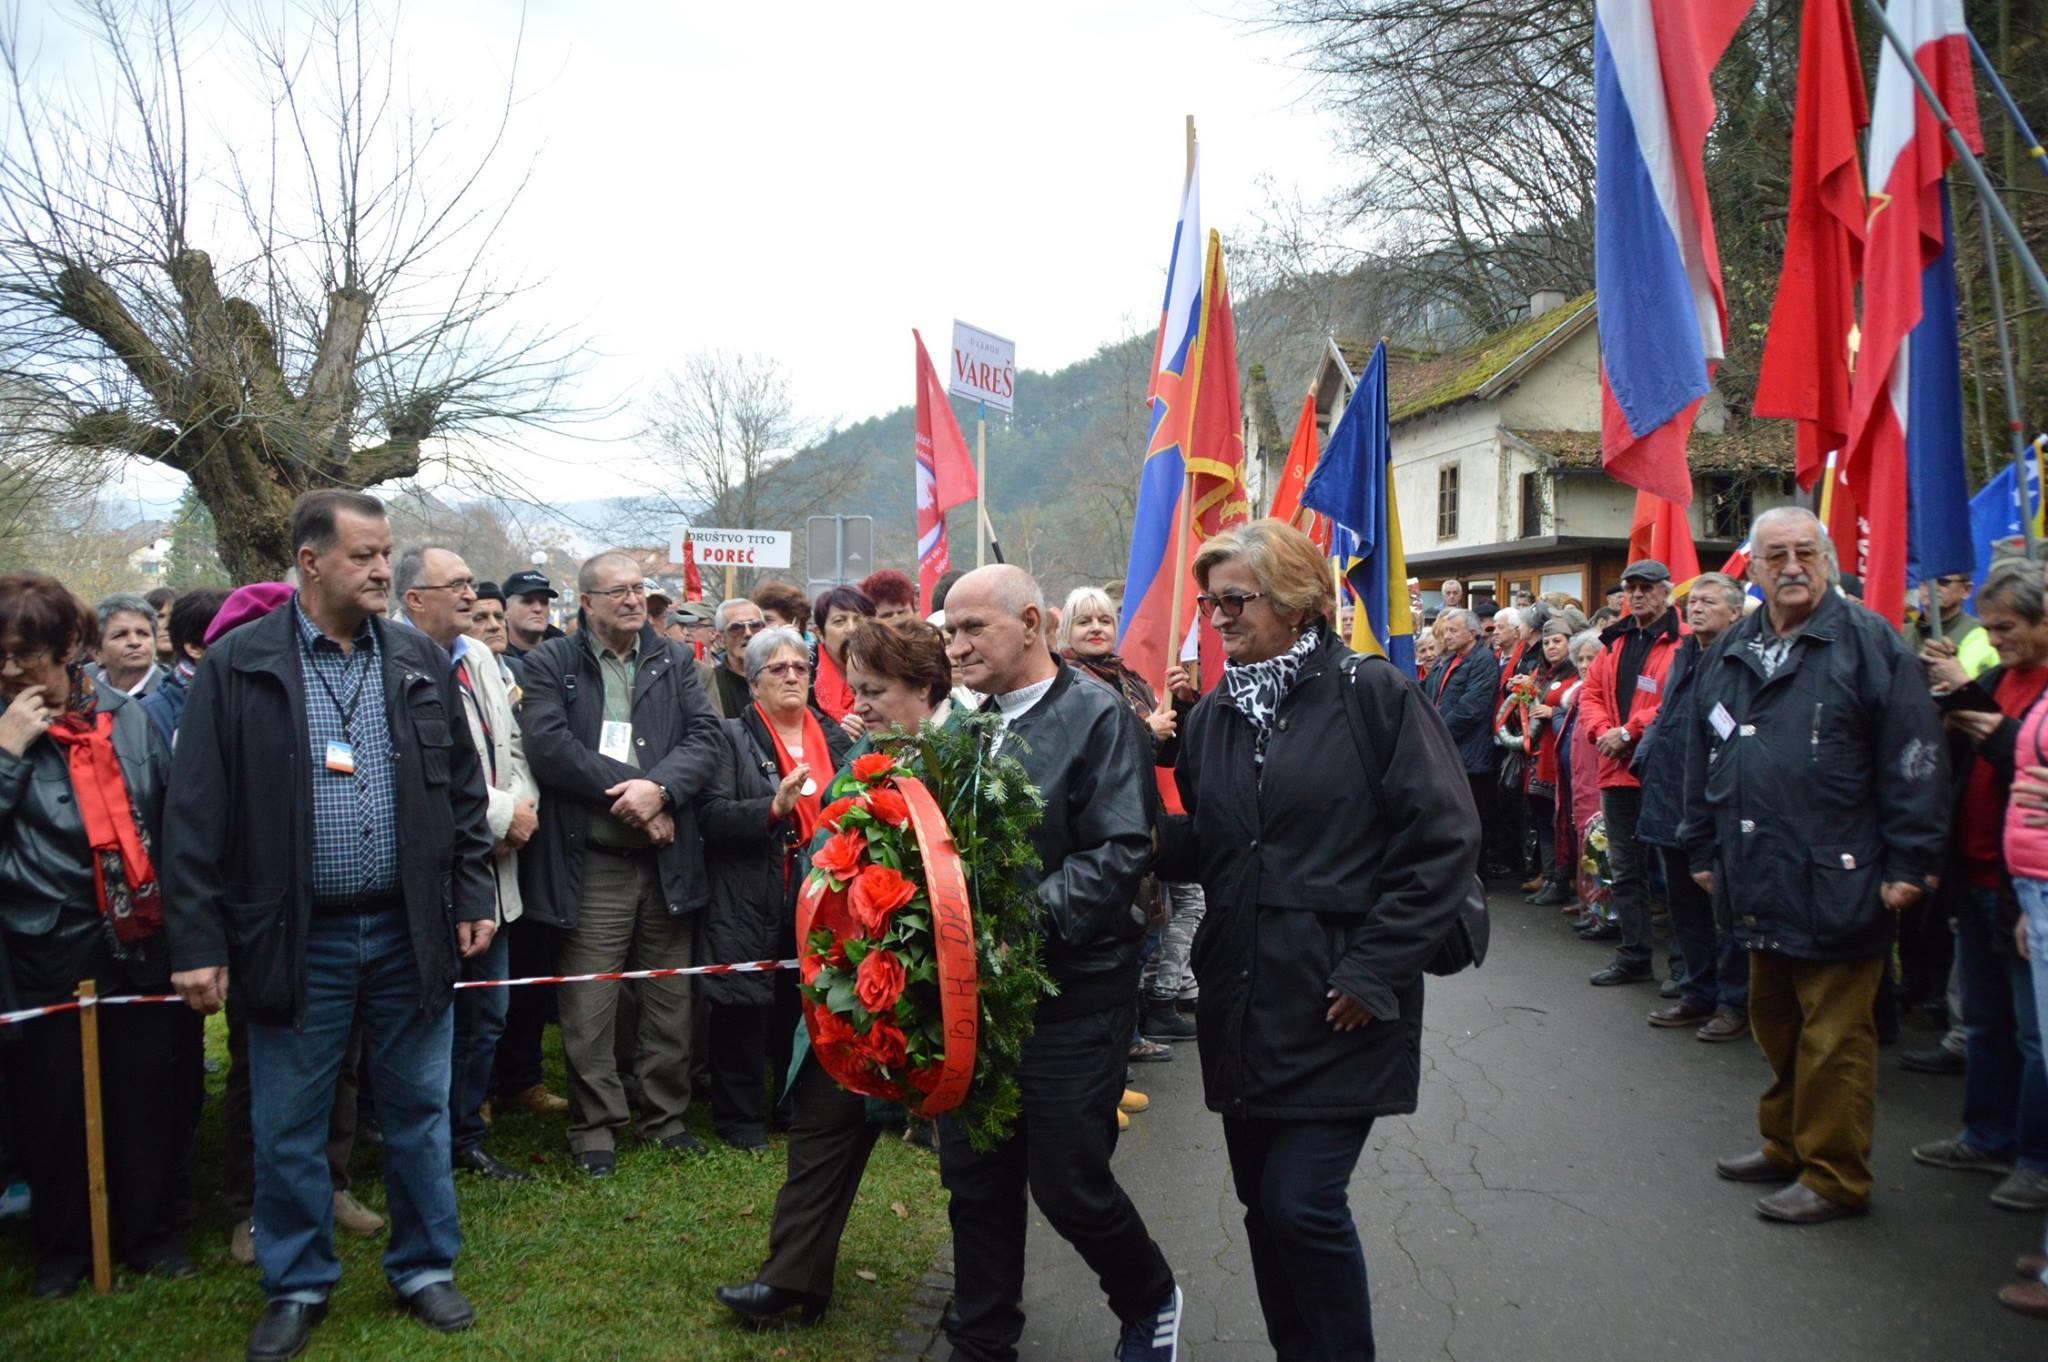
<point x="1987" y="195"/>
<point x="2035" y="151"/>
<point x="981" y="534"/>
<point x="2015" y="431"/>
<point x="1186" y="509"/>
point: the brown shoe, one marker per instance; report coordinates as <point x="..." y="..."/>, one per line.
<point x="354" y="1216"/>
<point x="538" y="1100"/>
<point x="1757" y="1167"/>
<point x="1680" y="1014"/>
<point x="2031" y="1265"/>
<point x="242" y="1247"/>
<point x="1725" y="1024"/>
<point x="1801" y="1205"/>
<point x="1531" y="885"/>
<point x="2028" y="1298"/>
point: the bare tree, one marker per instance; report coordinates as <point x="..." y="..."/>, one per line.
<point x="342" y="323"/>
<point x="725" y="435"/>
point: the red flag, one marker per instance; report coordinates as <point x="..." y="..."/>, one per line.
<point x="1661" y="530"/>
<point x="693" y="581"/>
<point x="1845" y="523"/>
<point x="1215" y="443"/>
<point x="945" y="475"/>
<point x="1301" y="461"/>
<point x="1805" y="373"/>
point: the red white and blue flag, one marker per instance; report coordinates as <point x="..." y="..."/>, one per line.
<point x="1906" y="410"/>
<point x="1196" y="449"/>
<point x="1655" y="263"/>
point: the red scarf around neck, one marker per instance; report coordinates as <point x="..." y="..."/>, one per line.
<point x="129" y="896"/>
<point x="816" y="755"/>
<point x="829" y="689"/>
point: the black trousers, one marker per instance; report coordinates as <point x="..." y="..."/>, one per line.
<point x="1484" y="785"/>
<point x="1293" y="1178"/>
<point x="530" y="950"/>
<point x="1071" y="1074"/>
<point x="1630" y="861"/>
<point x="142" y="1106"/>
<point x="830" y="1138"/>
<point x="746" y="1040"/>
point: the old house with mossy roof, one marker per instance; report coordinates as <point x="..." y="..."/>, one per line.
<point x="1497" y="458"/>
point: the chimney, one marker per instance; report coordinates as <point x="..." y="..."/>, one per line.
<point x="1545" y="300"/>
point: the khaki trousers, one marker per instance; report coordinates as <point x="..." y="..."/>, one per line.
<point x="624" y="915"/>
<point x="1812" y="1020"/>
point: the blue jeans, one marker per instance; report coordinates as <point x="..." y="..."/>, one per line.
<point x="479" y="1021"/>
<point x="2033" y="896"/>
<point x="355" y="963"/>
<point x="2005" y="1090"/>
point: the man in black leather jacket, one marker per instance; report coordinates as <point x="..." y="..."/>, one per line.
<point x="1091" y="764"/>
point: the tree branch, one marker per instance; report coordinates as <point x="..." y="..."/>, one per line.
<point x="397" y="457"/>
<point x="123" y="434"/>
<point x="90" y="302"/>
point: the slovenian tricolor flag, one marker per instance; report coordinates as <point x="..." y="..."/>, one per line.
<point x="1905" y="419"/>
<point x="1655" y="264"/>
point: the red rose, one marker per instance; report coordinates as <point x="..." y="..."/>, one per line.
<point x="830" y="815"/>
<point x="873" y="767"/>
<point x="835" y="958"/>
<point x="842" y="854"/>
<point x="876" y="894"/>
<point x="828" y="1028"/>
<point x="886" y="805"/>
<point x="927" y="1078"/>
<point x="878" y="983"/>
<point x="884" y="1044"/>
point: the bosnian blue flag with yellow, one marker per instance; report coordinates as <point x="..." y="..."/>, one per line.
<point x="1353" y="484"/>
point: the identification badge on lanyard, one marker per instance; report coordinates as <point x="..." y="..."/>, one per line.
<point x="341" y="758"/>
<point x="616" y="740"/>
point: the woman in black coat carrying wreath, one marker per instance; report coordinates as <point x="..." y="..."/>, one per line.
<point x="1334" y="849"/>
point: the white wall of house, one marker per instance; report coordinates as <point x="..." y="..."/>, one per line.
<point x="1467" y="435"/>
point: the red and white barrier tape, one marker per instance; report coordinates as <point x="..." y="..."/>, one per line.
<point x="742" y="967"/>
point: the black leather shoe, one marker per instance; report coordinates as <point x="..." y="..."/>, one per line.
<point x="597" y="1163"/>
<point x="683" y="1142"/>
<point x="1621" y="974"/>
<point x="1553" y="893"/>
<point x="475" y="1160"/>
<point x="441" y="1308"/>
<point x="746" y="1139"/>
<point x="1599" y="930"/>
<point x="760" y="1303"/>
<point x="1939" y="1060"/>
<point x="283" y="1330"/>
<point x="58" y="1281"/>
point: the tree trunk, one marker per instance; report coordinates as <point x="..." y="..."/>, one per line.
<point x="251" y="506"/>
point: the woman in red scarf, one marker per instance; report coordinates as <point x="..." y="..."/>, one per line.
<point x="838" y="611"/>
<point x="81" y="803"/>
<point x="757" y="813"/>
<point x="1555" y="677"/>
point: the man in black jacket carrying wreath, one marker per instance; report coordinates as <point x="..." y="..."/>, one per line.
<point x="1094" y="844"/>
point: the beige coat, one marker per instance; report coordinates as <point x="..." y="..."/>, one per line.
<point x="494" y="729"/>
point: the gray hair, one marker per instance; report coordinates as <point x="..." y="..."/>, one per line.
<point x="722" y="616"/>
<point x="1779" y="514"/>
<point x="1507" y="618"/>
<point x="1459" y="612"/>
<point x="125" y="603"/>
<point x="1730" y="589"/>
<point x="586" y="576"/>
<point x="1585" y="638"/>
<point x="1082" y="600"/>
<point x="411" y="566"/>
<point x="762" y="648"/>
<point x="2015" y="583"/>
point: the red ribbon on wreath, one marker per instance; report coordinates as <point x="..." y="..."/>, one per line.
<point x="847" y="1057"/>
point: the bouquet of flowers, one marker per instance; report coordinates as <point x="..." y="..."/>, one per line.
<point x="918" y="930"/>
<point x="1596" y="868"/>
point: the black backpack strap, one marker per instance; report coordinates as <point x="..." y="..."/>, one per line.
<point x="1368" y="758"/>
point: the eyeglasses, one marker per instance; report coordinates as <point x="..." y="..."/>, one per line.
<point x="787" y="669"/>
<point x="461" y="586"/>
<point x="746" y="626"/>
<point x="26" y="658"/>
<point x="638" y="589"/>
<point x="1232" y="605"/>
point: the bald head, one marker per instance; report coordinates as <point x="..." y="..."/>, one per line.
<point x="996" y="616"/>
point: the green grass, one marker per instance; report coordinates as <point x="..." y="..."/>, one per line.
<point x="558" y="1268"/>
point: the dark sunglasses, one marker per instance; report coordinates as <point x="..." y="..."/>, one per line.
<point x="1232" y="605"/>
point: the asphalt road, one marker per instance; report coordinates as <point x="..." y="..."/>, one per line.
<point x="1555" y="1198"/>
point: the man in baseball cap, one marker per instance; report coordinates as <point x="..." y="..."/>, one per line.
<point x="527" y="594"/>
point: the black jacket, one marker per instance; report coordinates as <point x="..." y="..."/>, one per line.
<point x="1320" y="873"/>
<point x="1809" y="789"/>
<point x="1465" y="696"/>
<point x="238" y="839"/>
<point x="48" y="902"/>
<point x="1659" y="759"/>
<point x="1092" y="762"/>
<point x="1956" y="895"/>
<point x="561" y="719"/>
<point x="753" y="904"/>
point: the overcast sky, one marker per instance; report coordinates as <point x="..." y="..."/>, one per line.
<point x="812" y="180"/>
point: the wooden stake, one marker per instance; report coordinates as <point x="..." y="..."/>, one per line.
<point x="729" y="571"/>
<point x="95" y="1138"/>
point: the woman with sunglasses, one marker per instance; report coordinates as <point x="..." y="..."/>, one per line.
<point x="758" y="812"/>
<point x="1333" y="835"/>
<point x="900" y="678"/>
<point x="81" y="817"/>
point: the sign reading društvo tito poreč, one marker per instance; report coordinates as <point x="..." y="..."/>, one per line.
<point x="984" y="367"/>
<point x="734" y="548"/>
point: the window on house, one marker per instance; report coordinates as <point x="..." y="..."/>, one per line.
<point x="1728" y="508"/>
<point x="1532" y="505"/>
<point x="1447" y="501"/>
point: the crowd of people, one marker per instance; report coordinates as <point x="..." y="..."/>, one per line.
<point x="320" y="804"/>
